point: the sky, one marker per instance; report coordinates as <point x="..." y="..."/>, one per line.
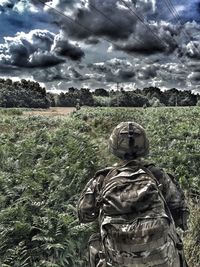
<point x="101" y="43"/>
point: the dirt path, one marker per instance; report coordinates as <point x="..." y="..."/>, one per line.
<point x="53" y="111"/>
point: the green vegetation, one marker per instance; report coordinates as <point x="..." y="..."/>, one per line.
<point x="22" y="94"/>
<point x="29" y="94"/>
<point x="151" y="96"/>
<point x="46" y="161"/>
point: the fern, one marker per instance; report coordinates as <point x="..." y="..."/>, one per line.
<point x="45" y="163"/>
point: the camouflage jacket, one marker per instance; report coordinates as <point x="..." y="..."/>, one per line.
<point x="88" y="208"/>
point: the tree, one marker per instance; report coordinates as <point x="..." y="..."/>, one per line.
<point x="101" y="92"/>
<point x="155" y="102"/>
<point x="128" y="99"/>
<point x="22" y="94"/>
<point x="86" y="97"/>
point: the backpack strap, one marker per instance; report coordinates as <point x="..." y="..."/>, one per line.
<point x="160" y="193"/>
<point x="102" y="180"/>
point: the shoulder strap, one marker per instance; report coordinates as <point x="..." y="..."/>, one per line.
<point x="103" y="171"/>
<point x="103" y="179"/>
<point x="160" y="193"/>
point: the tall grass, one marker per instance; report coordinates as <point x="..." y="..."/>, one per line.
<point x="46" y="161"/>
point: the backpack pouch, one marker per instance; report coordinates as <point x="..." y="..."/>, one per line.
<point x="133" y="194"/>
<point x="145" y="243"/>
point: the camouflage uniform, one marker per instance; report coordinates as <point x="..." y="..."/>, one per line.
<point x="163" y="249"/>
<point x="78" y="105"/>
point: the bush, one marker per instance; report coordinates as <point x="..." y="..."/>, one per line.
<point x="198" y="103"/>
<point x="155" y="102"/>
<point x="100" y="101"/>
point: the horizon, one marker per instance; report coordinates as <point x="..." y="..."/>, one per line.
<point x="92" y="90"/>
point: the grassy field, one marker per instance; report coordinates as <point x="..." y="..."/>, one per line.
<point x="53" y="111"/>
<point x="45" y="161"/>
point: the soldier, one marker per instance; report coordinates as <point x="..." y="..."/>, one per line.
<point x="138" y="206"/>
<point x="78" y="104"/>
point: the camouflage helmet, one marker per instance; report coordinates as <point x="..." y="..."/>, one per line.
<point x="129" y="141"/>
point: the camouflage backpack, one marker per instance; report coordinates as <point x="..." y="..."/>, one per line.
<point x="136" y="226"/>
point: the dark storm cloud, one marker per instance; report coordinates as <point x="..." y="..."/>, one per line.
<point x="126" y="75"/>
<point x="38" y="48"/>
<point x="114" y="21"/>
<point x="44" y="59"/>
<point x="119" y="76"/>
<point x="110" y="19"/>
<point x="161" y="40"/>
<point x="98" y="25"/>
<point x="63" y="48"/>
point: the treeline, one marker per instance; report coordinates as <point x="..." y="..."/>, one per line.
<point x="30" y="94"/>
<point x="22" y="93"/>
<point x="70" y="98"/>
<point x="172" y="97"/>
<point x="151" y="96"/>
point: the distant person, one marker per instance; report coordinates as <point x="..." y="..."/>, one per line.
<point x="78" y="105"/>
<point x="138" y="206"/>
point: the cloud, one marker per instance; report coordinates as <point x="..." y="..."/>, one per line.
<point x="61" y="72"/>
<point x="4" y="4"/>
<point x="143" y="58"/>
<point x="148" y="71"/>
<point x="42" y="59"/>
<point x="23" y="16"/>
<point x="194" y="76"/>
<point x="10" y="71"/>
<point x="192" y="50"/>
<point x="63" y="48"/>
<point x="28" y="50"/>
<point x="114" y="70"/>
<point x="148" y="6"/>
<point x="51" y="74"/>
<point x="130" y="75"/>
<point x="93" y="18"/>
<point x="114" y="21"/>
<point x="161" y="40"/>
<point x="38" y="48"/>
